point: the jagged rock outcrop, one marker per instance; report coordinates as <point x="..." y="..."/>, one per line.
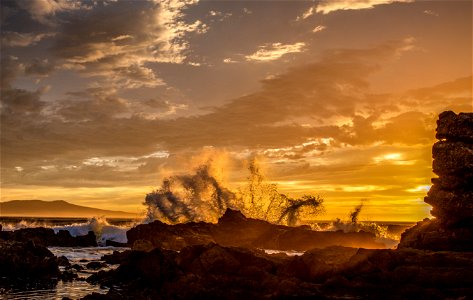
<point x="235" y="230"/>
<point x="26" y="263"/>
<point x="216" y="272"/>
<point x="46" y="237"/>
<point x="451" y="194"/>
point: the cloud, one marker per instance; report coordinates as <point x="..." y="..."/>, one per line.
<point x="302" y="115"/>
<point x="275" y="51"/>
<point x="431" y="13"/>
<point x="11" y="68"/>
<point x="309" y="12"/>
<point x="328" y="6"/>
<point x="319" y="28"/>
<point x="17" y="39"/>
<point x="39" y="67"/>
<point x="42" y="11"/>
<point x="118" y="43"/>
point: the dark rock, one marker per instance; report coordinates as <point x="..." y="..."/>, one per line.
<point x="19" y="261"/>
<point x="76" y="267"/>
<point x="216" y="272"/>
<point x="235" y="230"/>
<point x="63" y="261"/>
<point x="116" y="257"/>
<point x="455" y="127"/>
<point x="450" y="207"/>
<point x="432" y="235"/>
<point x="115" y="244"/>
<point x="68" y="276"/>
<point x="46" y="237"/>
<point x="452" y="158"/>
<point x="451" y="195"/>
<point x="95" y="265"/>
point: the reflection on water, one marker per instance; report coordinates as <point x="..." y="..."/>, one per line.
<point x="74" y="289"/>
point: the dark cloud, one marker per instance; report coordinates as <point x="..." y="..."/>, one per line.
<point x="39" y="67"/>
<point x="308" y="111"/>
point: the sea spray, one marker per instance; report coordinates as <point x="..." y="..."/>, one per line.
<point x="202" y="197"/>
<point x="353" y="224"/>
<point x="102" y="229"/>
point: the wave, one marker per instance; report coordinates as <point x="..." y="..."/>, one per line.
<point x="380" y="231"/>
<point x="102" y="229"/>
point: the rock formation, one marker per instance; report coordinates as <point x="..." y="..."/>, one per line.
<point x="26" y="263"/>
<point x="216" y="272"/>
<point x="235" y="230"/>
<point x="451" y="194"/>
<point x="46" y="237"/>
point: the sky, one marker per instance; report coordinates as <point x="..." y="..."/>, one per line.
<point x="100" y="100"/>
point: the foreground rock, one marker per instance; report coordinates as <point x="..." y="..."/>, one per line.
<point x="26" y="263"/>
<point x="46" y="237"/>
<point x="451" y="195"/>
<point x="216" y="272"/>
<point x="234" y="229"/>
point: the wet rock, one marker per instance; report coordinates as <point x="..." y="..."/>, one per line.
<point x="216" y="272"/>
<point x="206" y="271"/>
<point x="46" y="237"/>
<point x="115" y="244"/>
<point x="63" y="261"/>
<point x="235" y="230"/>
<point x="432" y="235"/>
<point x="95" y="265"/>
<point x="116" y="257"/>
<point x="68" y="276"/>
<point x="76" y="267"/>
<point x="26" y="260"/>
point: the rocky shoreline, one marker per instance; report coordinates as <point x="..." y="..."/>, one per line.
<point x="434" y="259"/>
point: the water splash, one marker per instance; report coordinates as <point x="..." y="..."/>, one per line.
<point x="102" y="229"/>
<point x="202" y="197"/>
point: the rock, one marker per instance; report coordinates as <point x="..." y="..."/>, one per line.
<point x="115" y="244"/>
<point x="216" y="272"/>
<point x="95" y="265"/>
<point x="116" y="257"/>
<point x="451" y="195"/>
<point x="452" y="158"/>
<point x="455" y="127"/>
<point x="143" y="245"/>
<point x="174" y="237"/>
<point x="46" y="237"/>
<point x="26" y="261"/>
<point x="450" y="207"/>
<point x="76" y="267"/>
<point x="235" y="230"/>
<point x="63" y="261"/>
<point x="68" y="276"/>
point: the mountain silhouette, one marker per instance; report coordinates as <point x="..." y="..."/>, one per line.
<point x="56" y="208"/>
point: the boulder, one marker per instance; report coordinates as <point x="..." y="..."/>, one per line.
<point x="46" y="237"/>
<point x="26" y="261"/>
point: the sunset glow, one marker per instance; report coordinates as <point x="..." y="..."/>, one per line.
<point x="101" y="100"/>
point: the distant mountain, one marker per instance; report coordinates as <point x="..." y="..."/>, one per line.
<point x="57" y="208"/>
